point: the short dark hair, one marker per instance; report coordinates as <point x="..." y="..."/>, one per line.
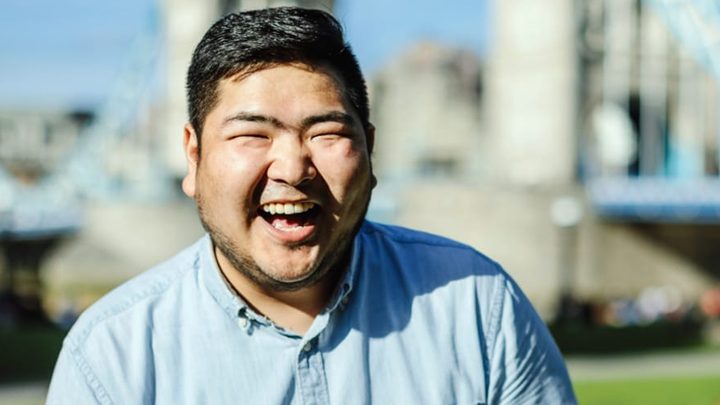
<point x="253" y="40"/>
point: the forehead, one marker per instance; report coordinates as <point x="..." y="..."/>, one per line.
<point x="283" y="89"/>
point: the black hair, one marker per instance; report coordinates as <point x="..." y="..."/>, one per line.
<point x="253" y="40"/>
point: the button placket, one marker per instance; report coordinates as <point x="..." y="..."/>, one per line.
<point x="311" y="374"/>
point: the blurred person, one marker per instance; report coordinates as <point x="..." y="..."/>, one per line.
<point x="292" y="296"/>
<point x="710" y="302"/>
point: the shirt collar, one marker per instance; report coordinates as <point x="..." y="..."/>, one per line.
<point x="215" y="282"/>
<point x="342" y="294"/>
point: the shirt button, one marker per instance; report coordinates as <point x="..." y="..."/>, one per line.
<point x="243" y="322"/>
<point x="307" y="347"/>
<point x="345" y="300"/>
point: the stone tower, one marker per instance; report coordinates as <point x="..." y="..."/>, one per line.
<point x="530" y="92"/>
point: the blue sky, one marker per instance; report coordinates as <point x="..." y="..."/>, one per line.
<point x="69" y="52"/>
<point x="64" y="52"/>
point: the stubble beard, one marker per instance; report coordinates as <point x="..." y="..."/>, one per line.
<point x="337" y="257"/>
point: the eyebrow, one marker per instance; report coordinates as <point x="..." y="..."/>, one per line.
<point x="332" y="116"/>
<point x="250" y="117"/>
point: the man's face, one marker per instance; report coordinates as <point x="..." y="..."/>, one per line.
<point x="284" y="177"/>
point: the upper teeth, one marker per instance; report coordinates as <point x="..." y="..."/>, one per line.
<point x="287" y="208"/>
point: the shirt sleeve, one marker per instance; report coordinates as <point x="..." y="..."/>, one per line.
<point x="526" y="366"/>
<point x="73" y="382"/>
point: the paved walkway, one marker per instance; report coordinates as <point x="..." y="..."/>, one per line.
<point x="23" y="394"/>
<point x="649" y="365"/>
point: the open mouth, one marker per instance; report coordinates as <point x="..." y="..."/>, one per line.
<point x="288" y="217"/>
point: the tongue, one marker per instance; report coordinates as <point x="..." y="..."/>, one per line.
<point x="282" y="221"/>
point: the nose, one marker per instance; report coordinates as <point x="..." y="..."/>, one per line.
<point x="291" y="162"/>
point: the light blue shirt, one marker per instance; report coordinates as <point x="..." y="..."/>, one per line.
<point x="418" y="319"/>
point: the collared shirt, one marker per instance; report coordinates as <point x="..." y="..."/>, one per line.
<point x="417" y="319"/>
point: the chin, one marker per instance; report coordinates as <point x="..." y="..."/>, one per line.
<point x="288" y="271"/>
<point x="291" y="270"/>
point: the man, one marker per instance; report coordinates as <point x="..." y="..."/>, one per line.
<point x="293" y="297"/>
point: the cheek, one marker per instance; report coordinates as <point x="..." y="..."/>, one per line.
<point x="229" y="176"/>
<point x="347" y="174"/>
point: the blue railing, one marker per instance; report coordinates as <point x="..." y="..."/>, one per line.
<point x="669" y="195"/>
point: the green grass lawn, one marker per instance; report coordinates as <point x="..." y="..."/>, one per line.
<point x="670" y="391"/>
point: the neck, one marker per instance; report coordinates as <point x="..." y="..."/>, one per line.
<point x="292" y="310"/>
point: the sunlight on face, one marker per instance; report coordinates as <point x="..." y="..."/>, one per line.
<point x="284" y="178"/>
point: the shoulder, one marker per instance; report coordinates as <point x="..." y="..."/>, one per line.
<point x="401" y="234"/>
<point x="135" y="298"/>
<point x="425" y="263"/>
<point x="424" y="248"/>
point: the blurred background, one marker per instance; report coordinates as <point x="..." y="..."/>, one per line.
<point x="576" y="142"/>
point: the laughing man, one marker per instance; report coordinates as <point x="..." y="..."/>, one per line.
<point x="292" y="297"/>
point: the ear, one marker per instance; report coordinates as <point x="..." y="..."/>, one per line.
<point x="192" y="154"/>
<point x="370" y="141"/>
<point x="370" y="138"/>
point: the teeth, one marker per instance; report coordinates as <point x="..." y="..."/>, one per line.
<point x="287" y="208"/>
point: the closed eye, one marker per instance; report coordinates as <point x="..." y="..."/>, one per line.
<point x="249" y="139"/>
<point x="249" y="136"/>
<point x="333" y="135"/>
<point x="328" y="136"/>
